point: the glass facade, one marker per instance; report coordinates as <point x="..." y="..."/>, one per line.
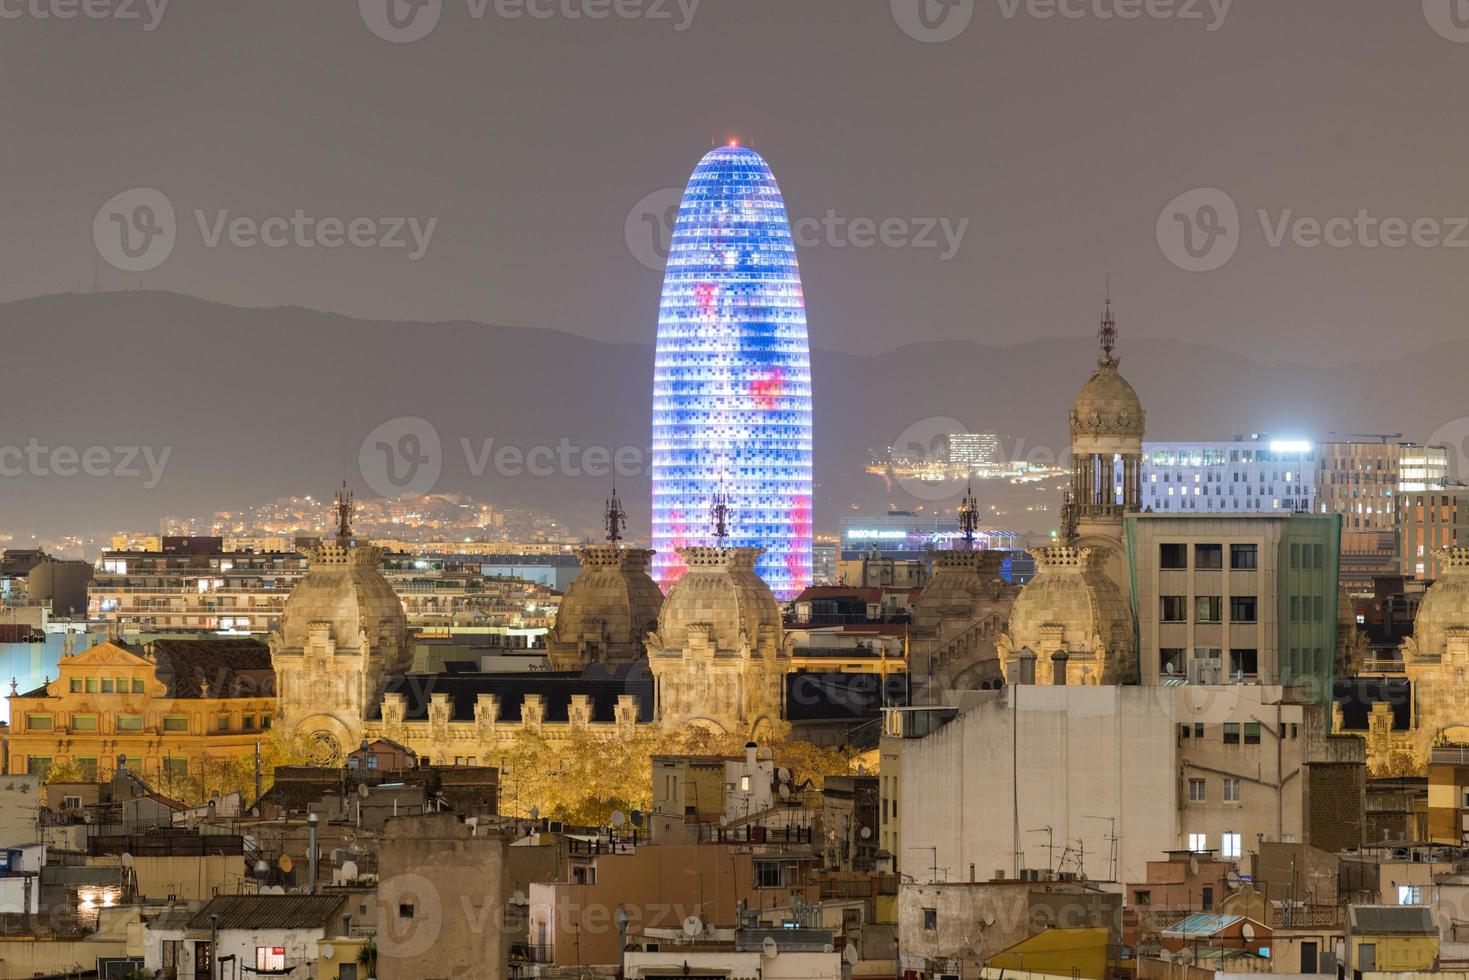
<point x="732" y="377"/>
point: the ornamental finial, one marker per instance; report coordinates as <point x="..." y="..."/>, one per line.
<point x="1107" y="332"/>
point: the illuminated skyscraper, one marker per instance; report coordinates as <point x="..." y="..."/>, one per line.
<point x="732" y="378"/>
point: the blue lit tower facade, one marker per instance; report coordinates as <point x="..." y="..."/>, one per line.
<point x="732" y="377"/>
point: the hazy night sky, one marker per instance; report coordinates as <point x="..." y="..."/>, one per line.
<point x="530" y="140"/>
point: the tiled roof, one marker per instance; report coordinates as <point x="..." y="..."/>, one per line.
<point x="1401" y="920"/>
<point x="271" y="912"/>
<point x="230" y="667"/>
<point x="832" y="696"/>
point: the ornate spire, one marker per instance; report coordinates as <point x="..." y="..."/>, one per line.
<point x="343" y="509"/>
<point x="614" y="518"/>
<point x="719" y="515"/>
<point x="1107" y="332"/>
<point x="969" y="515"/>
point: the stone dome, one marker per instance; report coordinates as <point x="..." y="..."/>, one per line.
<point x="1445" y="605"/>
<point x="344" y="587"/>
<point x="608" y="609"/>
<point x="963" y="582"/>
<point x="1107" y="405"/>
<point x="1073" y="606"/>
<point x="719" y="591"/>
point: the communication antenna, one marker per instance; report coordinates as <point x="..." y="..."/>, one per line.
<point x="343" y="508"/>
<point x="1050" y="845"/>
<point x="615" y="518"/>
<point x="1111" y="838"/>
<point x="719" y="516"/>
<point x="1107" y="331"/>
<point x="969" y="515"/>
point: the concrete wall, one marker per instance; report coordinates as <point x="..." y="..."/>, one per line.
<point x="186" y="878"/>
<point x="20" y="799"/>
<point x="1098" y="760"/>
<point x="452" y="885"/>
<point x="1083" y="752"/>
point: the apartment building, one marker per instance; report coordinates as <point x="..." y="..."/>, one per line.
<point x="1236" y="598"/>
<point x="1430" y="520"/>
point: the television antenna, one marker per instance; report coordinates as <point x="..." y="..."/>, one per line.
<point x="1112" y="840"/>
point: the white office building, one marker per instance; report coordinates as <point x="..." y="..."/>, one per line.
<point x="1254" y="475"/>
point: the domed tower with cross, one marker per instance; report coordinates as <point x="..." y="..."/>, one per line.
<point x="342" y="633"/>
<point x="1107" y="425"/>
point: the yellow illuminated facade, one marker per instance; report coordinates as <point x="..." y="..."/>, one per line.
<point x="110" y="701"/>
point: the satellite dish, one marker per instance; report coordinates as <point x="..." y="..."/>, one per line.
<point x="285" y="863"/>
<point x="989" y="919"/>
<point x="262" y="869"/>
<point x="275" y="890"/>
<point x="636" y="817"/>
<point x="1193" y="864"/>
<point x="849" y="953"/>
<point x="865" y="833"/>
<point x="693" y="926"/>
<point x="1232" y="879"/>
<point x="126" y="860"/>
<point x="783" y="774"/>
<point x="1166" y="955"/>
<point x="362" y="790"/>
<point x="1248" y="931"/>
<point x="768" y="948"/>
<point x="349" y="870"/>
<point x="326" y="951"/>
<point x="618" y="818"/>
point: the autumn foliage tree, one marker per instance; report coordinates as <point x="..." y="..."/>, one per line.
<point x="582" y="778"/>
